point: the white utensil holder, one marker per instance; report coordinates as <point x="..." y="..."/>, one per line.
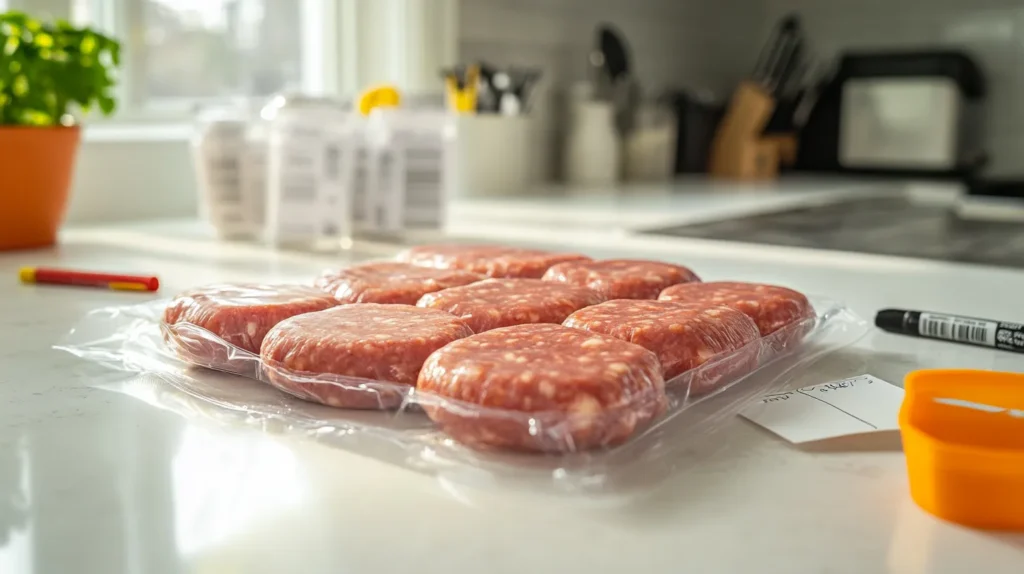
<point x="493" y="155"/>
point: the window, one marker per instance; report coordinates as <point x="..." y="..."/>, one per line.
<point x="183" y="54"/>
<point x="197" y="49"/>
<point x="179" y="55"/>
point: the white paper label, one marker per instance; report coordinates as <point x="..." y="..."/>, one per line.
<point x="862" y="404"/>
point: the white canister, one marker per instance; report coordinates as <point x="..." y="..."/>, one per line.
<point x="217" y="149"/>
<point x="650" y="148"/>
<point x="308" y="168"/>
<point x="411" y="161"/>
<point x="592" y="155"/>
<point x="254" y="173"/>
<point x="493" y="155"/>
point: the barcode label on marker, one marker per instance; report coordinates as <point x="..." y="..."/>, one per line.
<point x="958" y="329"/>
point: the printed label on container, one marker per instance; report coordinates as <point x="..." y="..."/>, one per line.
<point x="408" y="176"/>
<point x="308" y="196"/>
<point x="858" y="405"/>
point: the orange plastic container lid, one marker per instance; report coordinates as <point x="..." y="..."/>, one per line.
<point x="963" y="436"/>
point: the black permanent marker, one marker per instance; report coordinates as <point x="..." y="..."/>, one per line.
<point x="945" y="327"/>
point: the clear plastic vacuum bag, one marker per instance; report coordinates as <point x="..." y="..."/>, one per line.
<point x="585" y="444"/>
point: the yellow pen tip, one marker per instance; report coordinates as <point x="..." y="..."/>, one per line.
<point x="125" y="286"/>
<point x="27" y="274"/>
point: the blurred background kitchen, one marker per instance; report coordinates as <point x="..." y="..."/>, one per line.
<point x="883" y="127"/>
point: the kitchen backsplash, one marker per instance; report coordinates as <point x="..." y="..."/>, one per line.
<point x="682" y="43"/>
<point x="704" y="44"/>
<point x="991" y="30"/>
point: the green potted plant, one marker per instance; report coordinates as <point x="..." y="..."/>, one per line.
<point x="49" y="74"/>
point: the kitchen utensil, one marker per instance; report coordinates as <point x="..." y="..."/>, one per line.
<point x="613" y="76"/>
<point x="523" y="82"/>
<point x="777" y="59"/>
<point x="505" y="91"/>
<point x="461" y="85"/>
<point x="814" y="80"/>
<point x="601" y="84"/>
<point x="627" y="101"/>
<point x="616" y="56"/>
<point x="488" y="98"/>
<point x="740" y="149"/>
<point x="514" y="86"/>
<point x="609" y="61"/>
<point x="789" y="67"/>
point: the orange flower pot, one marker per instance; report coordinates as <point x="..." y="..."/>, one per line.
<point x="36" y="164"/>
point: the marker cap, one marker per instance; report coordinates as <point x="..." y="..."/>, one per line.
<point x="890" y="320"/>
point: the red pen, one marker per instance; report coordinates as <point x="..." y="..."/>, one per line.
<point x="89" y="279"/>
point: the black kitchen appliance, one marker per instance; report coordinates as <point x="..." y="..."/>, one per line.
<point x="869" y="101"/>
<point x="697" y="117"/>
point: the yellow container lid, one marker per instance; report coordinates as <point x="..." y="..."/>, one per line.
<point x="963" y="436"/>
<point x="385" y="96"/>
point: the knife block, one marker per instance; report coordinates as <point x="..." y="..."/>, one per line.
<point x="739" y="149"/>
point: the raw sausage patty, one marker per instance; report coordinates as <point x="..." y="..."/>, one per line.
<point x="356" y="356"/>
<point x="771" y="307"/>
<point x="240" y="315"/>
<point x="491" y="260"/>
<point x="683" y="336"/>
<point x="498" y="303"/>
<point x="390" y="282"/>
<point x="621" y="278"/>
<point x="542" y="388"/>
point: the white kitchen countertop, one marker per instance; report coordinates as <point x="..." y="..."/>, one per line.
<point x="655" y="204"/>
<point x="645" y="206"/>
<point x="94" y="481"/>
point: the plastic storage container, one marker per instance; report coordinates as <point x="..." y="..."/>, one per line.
<point x="309" y="199"/>
<point x="217" y="148"/>
<point x="963" y="435"/>
<point x="411" y="157"/>
<point x="254" y="173"/>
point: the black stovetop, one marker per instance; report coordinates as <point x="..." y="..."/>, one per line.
<point x="889" y="226"/>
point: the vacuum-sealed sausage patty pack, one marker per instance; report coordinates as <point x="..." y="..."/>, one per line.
<point x="480" y="355"/>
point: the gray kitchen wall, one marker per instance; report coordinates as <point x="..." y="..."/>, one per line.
<point x="991" y="30"/>
<point x="713" y="43"/>
<point x="694" y="44"/>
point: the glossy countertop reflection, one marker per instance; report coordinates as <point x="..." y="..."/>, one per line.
<point x="94" y="481"/>
<point x="881" y="225"/>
